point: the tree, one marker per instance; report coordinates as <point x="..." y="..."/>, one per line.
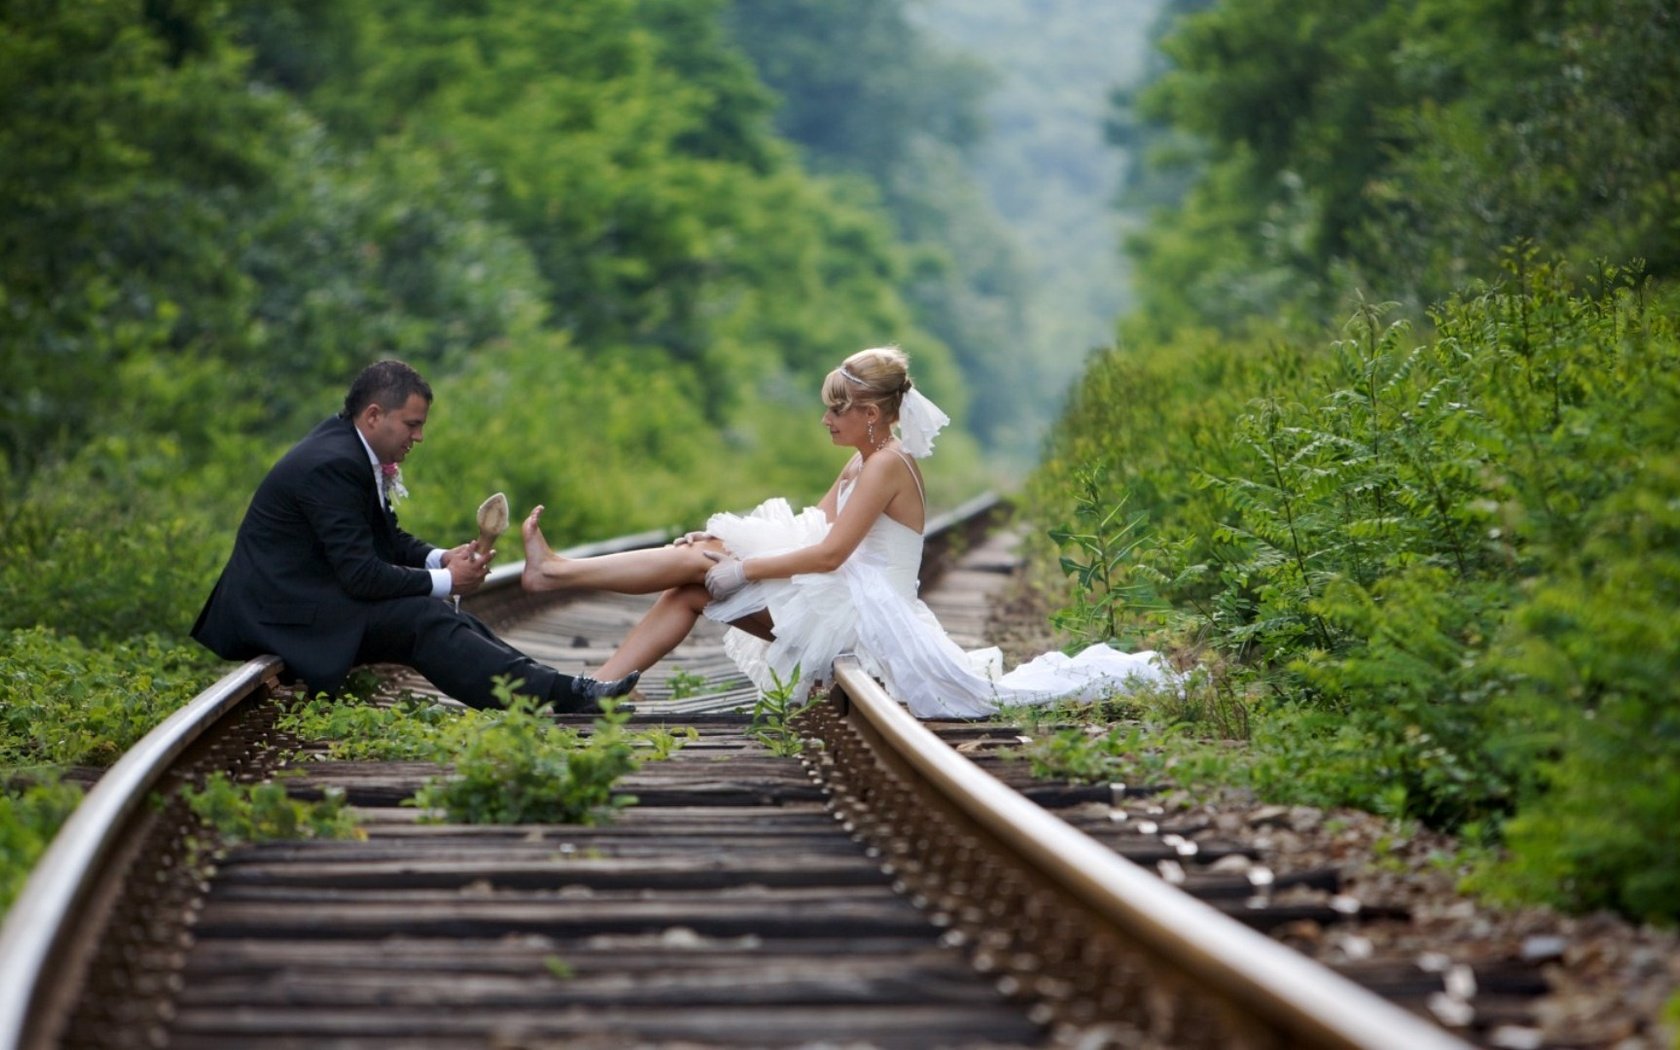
<point x="1398" y="146"/>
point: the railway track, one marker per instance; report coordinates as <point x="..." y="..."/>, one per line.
<point x="877" y="890"/>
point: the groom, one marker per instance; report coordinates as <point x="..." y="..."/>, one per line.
<point x="322" y="576"/>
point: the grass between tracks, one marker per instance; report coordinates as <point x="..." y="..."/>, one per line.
<point x="509" y="766"/>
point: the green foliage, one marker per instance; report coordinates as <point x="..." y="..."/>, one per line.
<point x="263" y="812"/>
<point x="29" y="818"/>
<point x="1591" y="653"/>
<point x="558" y="968"/>
<point x="574" y="220"/>
<point x="1049" y="174"/>
<point x="869" y="97"/>
<point x="624" y="143"/>
<point x="770" y="714"/>
<point x="1346" y="145"/>
<point x="1102" y="592"/>
<point x="519" y="743"/>
<point x="663" y="742"/>
<point x="1081" y="754"/>
<point x="1122" y="752"/>
<point x="111" y="544"/>
<point x="1437" y="569"/>
<point x="408" y="729"/>
<point x="127" y="144"/>
<point x="65" y="704"/>
<point x="587" y="196"/>
<point x="857" y="85"/>
<point x="517" y="766"/>
<point x="684" y="684"/>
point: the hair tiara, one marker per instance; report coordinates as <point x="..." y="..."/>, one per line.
<point x="902" y="387"/>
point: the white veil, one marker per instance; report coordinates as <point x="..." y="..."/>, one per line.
<point x="919" y="422"/>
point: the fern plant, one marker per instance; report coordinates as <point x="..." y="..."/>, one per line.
<point x="1098" y="547"/>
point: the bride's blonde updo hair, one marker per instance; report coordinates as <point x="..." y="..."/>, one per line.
<point x="877" y="376"/>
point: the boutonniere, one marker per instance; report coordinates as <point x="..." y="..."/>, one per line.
<point x="390" y="476"/>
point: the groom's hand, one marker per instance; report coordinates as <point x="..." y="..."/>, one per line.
<point x="467" y="551"/>
<point x="466" y="569"/>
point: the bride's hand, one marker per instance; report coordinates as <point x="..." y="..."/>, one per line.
<point x="726" y="577"/>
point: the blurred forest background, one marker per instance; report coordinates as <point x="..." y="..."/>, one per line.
<point x="1373" y="419"/>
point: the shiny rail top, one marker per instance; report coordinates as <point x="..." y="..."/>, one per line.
<point x="1222" y="962"/>
<point x="35" y="943"/>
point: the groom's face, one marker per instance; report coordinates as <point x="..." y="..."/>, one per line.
<point x="391" y="433"/>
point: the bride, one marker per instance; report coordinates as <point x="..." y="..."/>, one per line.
<point x="840" y="577"/>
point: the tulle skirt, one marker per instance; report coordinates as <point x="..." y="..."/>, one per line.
<point x="896" y="638"/>
<point x="813" y="612"/>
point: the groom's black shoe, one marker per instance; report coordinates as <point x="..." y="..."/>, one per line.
<point x="587" y="693"/>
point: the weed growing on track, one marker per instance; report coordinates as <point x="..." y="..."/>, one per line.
<point x="516" y="766"/>
<point x="409" y="728"/>
<point x="513" y="765"/>
<point x="263" y="812"/>
<point x="684" y="684"/>
<point x="663" y="741"/>
<point x="770" y="715"/>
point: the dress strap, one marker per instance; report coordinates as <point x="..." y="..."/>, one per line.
<point x="914" y="476"/>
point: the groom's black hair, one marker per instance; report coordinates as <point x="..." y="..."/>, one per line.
<point x="389" y="384"/>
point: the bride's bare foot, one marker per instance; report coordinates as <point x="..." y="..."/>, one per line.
<point x="541" y="562"/>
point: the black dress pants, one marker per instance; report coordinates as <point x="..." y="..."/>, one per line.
<point x="456" y="652"/>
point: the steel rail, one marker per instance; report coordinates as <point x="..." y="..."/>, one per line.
<point x="1246" y="973"/>
<point x="43" y="949"/>
<point x="37" y="941"/>
<point x="41" y="965"/>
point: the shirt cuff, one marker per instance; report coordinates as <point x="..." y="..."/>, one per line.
<point x="434" y="558"/>
<point x="441" y="583"/>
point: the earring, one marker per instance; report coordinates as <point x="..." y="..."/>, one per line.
<point x="872" y="442"/>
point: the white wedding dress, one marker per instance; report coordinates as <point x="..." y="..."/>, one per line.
<point x="869" y="607"/>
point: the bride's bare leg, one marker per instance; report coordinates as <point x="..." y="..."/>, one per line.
<point x="630" y="572"/>
<point x="661" y="630"/>
<point x="671" y="619"/>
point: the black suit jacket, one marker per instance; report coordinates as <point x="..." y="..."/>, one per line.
<point x="315" y="551"/>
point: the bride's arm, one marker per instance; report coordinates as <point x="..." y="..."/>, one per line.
<point x="876" y="486"/>
<point x="830" y="503"/>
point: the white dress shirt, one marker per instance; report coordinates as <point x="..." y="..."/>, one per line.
<point x="442" y="584"/>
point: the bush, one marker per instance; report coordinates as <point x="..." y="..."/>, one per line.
<point x="1442" y="569"/>
<point x="1592" y="652"/>
<point x="517" y="766"/>
<point x="64" y="704"/>
<point x="29" y="818"/>
<point x="124" y="539"/>
<point x="264" y="812"/>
